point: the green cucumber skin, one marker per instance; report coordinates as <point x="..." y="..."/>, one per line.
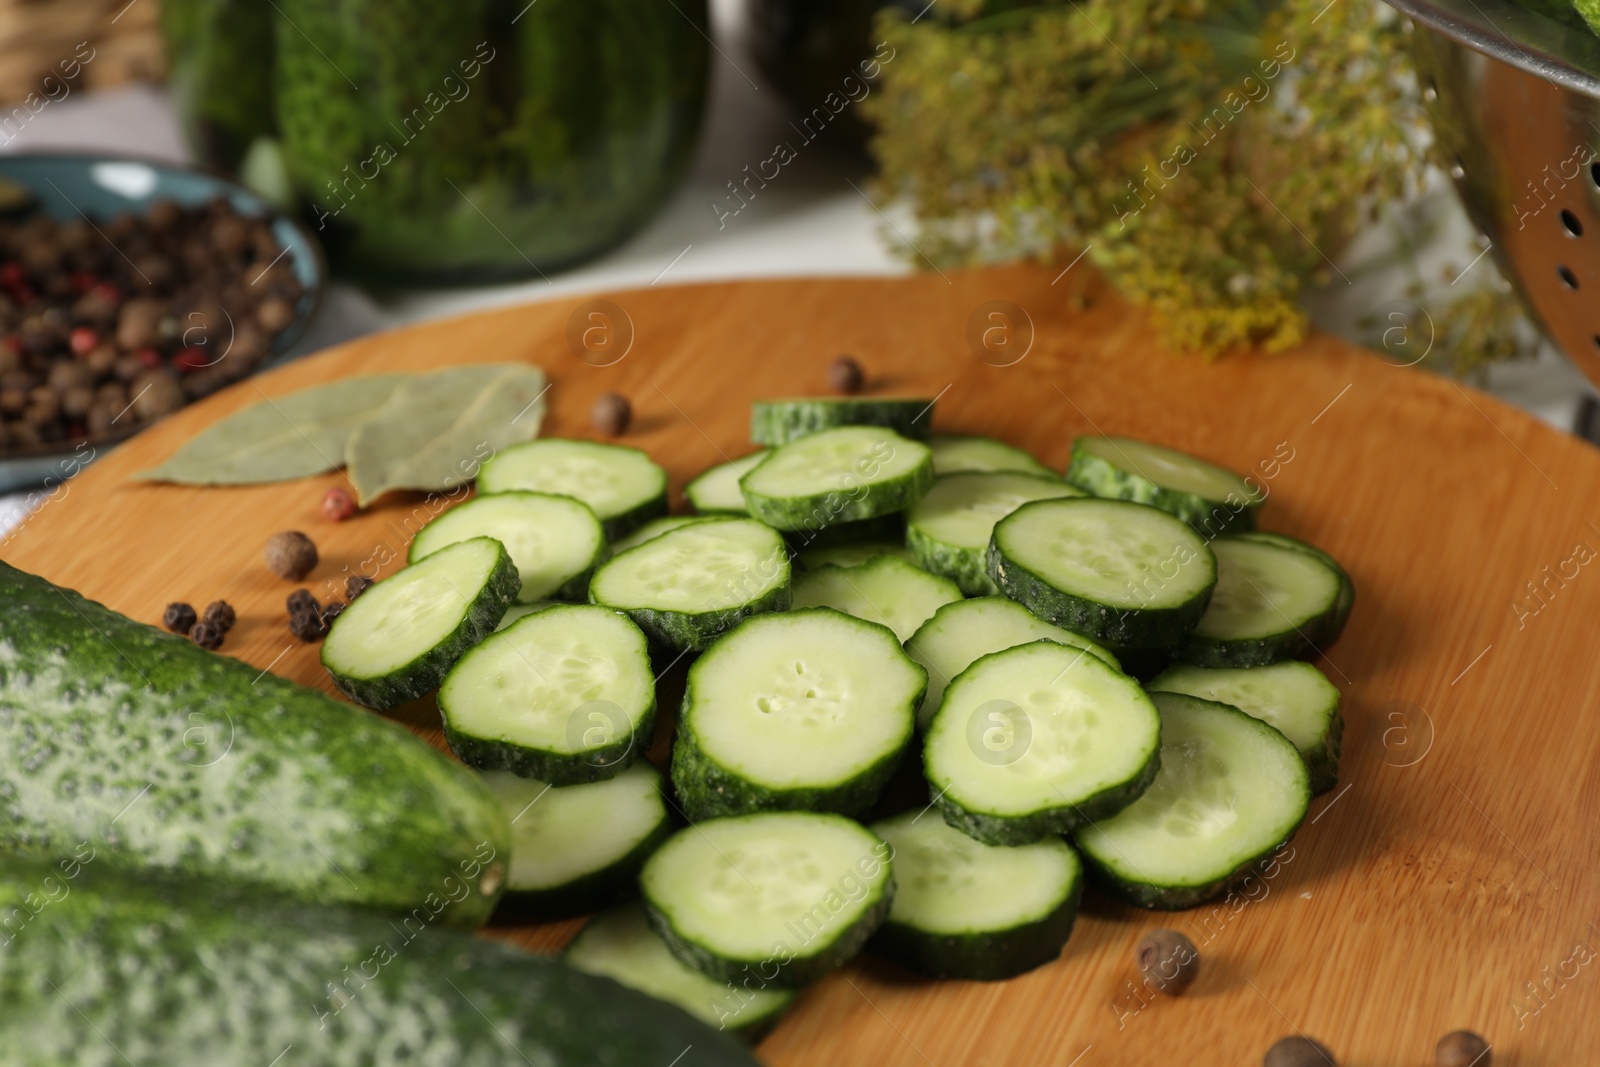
<point x="422" y="675"/>
<point x="821" y="510"/>
<point x="968" y="568"/>
<point x="994" y="829"/>
<point x="218" y="772"/>
<point x="890" y="527"/>
<point x="583" y="896"/>
<point x="707" y="790"/>
<point x="1209" y="518"/>
<point x="777" y="422"/>
<point x="1177" y="898"/>
<point x="186" y="976"/>
<point x="793" y="973"/>
<point x="1117" y="628"/>
<point x="1304" y="643"/>
<point x="553" y="768"/>
<point x="987" y="957"/>
<point x="693" y="631"/>
<point x="628" y="521"/>
<point x="1322" y="761"/>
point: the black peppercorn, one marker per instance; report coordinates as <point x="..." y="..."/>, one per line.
<point x="611" y="414"/>
<point x="1462" y="1048"/>
<point x="302" y="600"/>
<point x="179" y="617"/>
<point x="1168" y="960"/>
<point x="331" y="611"/>
<point x="206" y="636"/>
<point x="307" y="626"/>
<point x="220" y="614"/>
<point x="1298" y="1052"/>
<point x="355" y="585"/>
<point x="845" y="375"/>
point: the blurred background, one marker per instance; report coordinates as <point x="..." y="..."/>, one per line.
<point x="1245" y="170"/>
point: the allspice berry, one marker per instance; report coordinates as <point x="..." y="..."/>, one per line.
<point x="1462" y="1048"/>
<point x="291" y="555"/>
<point x="1298" y="1051"/>
<point x="611" y="414"/>
<point x="179" y="617"/>
<point x="1168" y="960"/>
<point x="845" y="375"/>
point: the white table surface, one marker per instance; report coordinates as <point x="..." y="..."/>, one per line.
<point x="812" y="219"/>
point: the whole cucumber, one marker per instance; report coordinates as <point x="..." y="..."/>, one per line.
<point x="158" y="755"/>
<point x="99" y="971"/>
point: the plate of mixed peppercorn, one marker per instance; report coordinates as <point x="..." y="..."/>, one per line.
<point x="127" y="290"/>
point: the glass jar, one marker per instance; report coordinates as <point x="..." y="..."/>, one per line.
<point x="470" y="140"/>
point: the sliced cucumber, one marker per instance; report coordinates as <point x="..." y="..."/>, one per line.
<point x="949" y="529"/>
<point x="1271" y="603"/>
<point x="1126" y="575"/>
<point x="396" y="641"/>
<point x="852" y="555"/>
<point x="564" y="695"/>
<point x="1292" y="697"/>
<point x="961" y="631"/>
<point x="688" y="585"/>
<point x="621" y="485"/>
<point x="953" y="454"/>
<point x="963" y="909"/>
<point x="837" y="476"/>
<point x="652" y="529"/>
<point x="520" y="611"/>
<point x="1347" y="588"/>
<point x="621" y="945"/>
<point x="1038" y="740"/>
<point x="808" y="709"/>
<point x="1230" y="792"/>
<point x="777" y="422"/>
<point x="717" y="490"/>
<point x="775" y="900"/>
<point x="555" y="541"/>
<point x="883" y="590"/>
<point x="1212" y="499"/>
<point x="578" y="848"/>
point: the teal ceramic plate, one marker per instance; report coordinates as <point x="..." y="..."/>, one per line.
<point x="101" y="187"/>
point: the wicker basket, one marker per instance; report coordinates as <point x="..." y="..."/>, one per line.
<point x="38" y="36"/>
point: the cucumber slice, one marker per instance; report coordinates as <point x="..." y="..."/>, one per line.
<point x="884" y="590"/>
<point x="1038" y="740"/>
<point x="1230" y="792"/>
<point x="555" y="541"/>
<point x="808" y="709"/>
<point x="717" y="490"/>
<point x="652" y="529"/>
<point x="1293" y="697"/>
<point x="771" y="900"/>
<point x="688" y="585"/>
<point x="777" y="422"/>
<point x="521" y="611"/>
<point x="565" y="695"/>
<point x="396" y="641"/>
<point x="578" y="848"/>
<point x="963" y="909"/>
<point x="851" y="555"/>
<point x="837" y="476"/>
<point x="1271" y="603"/>
<point x="1212" y="499"/>
<point x="1126" y="575"/>
<point x="621" y="485"/>
<point x="1347" y="588"/>
<point x="949" y="529"/>
<point x="621" y="945"/>
<point x="953" y="454"/>
<point x="961" y="631"/>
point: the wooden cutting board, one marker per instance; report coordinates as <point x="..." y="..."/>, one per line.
<point x="1453" y="878"/>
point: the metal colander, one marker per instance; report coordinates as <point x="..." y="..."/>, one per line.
<point x="1515" y="102"/>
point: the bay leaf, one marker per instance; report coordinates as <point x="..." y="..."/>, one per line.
<point x="437" y="429"/>
<point x="279" y="438"/>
